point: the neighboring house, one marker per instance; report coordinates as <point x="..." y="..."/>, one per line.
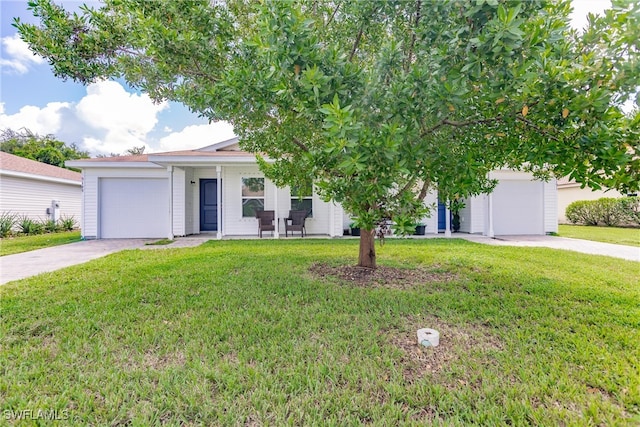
<point x="570" y="191"/>
<point x="39" y="190"/>
<point x="216" y="189"/>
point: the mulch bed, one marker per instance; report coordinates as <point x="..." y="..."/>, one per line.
<point x="383" y="276"/>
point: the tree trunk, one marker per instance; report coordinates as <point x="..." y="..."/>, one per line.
<point x="367" y="256"/>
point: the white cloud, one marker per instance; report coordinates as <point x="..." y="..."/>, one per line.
<point x="197" y="136"/>
<point x="124" y="119"/>
<point x="38" y="120"/>
<point x="108" y="106"/>
<point x="583" y="7"/>
<point x="107" y="120"/>
<point x="16" y="56"/>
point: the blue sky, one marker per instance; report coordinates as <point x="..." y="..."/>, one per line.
<point x="108" y="117"/>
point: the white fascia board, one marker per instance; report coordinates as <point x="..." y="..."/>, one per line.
<point x="200" y="161"/>
<point x="102" y="165"/>
<point x="40" y="177"/>
<point x="219" y="145"/>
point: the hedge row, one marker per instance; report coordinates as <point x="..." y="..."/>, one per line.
<point x="606" y="211"/>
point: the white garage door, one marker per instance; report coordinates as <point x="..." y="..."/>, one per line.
<point x="133" y="208"/>
<point x="518" y="208"/>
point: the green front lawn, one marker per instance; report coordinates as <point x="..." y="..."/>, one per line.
<point x="617" y="235"/>
<point x="15" y="245"/>
<point x="241" y="332"/>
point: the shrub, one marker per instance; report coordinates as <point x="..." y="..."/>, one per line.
<point x="7" y="221"/>
<point x="583" y="212"/>
<point x="29" y="226"/>
<point x="607" y="211"/>
<point x="610" y="211"/>
<point x="50" y="226"/>
<point x="67" y="223"/>
<point x="631" y="209"/>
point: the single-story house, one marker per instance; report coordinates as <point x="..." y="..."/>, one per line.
<point x="39" y="190"/>
<point x="216" y="189"/>
<point x="570" y="191"/>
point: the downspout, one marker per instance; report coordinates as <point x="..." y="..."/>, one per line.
<point x="447" y="221"/>
<point x="276" y="233"/>
<point x="170" y="231"/>
<point x="83" y="230"/>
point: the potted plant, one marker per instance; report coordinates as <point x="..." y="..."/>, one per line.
<point x="420" y="230"/>
<point x="456" y="206"/>
<point x="355" y="230"/>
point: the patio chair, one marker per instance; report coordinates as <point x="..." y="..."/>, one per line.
<point x="295" y="222"/>
<point x="265" y="221"/>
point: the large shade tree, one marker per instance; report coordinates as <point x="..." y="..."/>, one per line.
<point x="378" y="102"/>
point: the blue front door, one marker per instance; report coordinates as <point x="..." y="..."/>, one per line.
<point x="208" y="205"/>
<point x="442" y="216"/>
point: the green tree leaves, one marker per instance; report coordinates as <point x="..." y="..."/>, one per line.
<point x="45" y="149"/>
<point x="379" y="102"/>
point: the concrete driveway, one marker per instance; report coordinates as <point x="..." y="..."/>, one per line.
<point x="27" y="264"/>
<point x="630" y="253"/>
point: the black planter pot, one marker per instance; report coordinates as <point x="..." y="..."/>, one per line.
<point x="355" y="231"/>
<point x="456" y="223"/>
<point x="420" y="230"/>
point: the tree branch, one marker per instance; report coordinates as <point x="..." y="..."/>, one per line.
<point x="408" y="185"/>
<point x="301" y="145"/>
<point x="424" y="189"/>
<point x="333" y="15"/>
<point x="357" y="42"/>
<point x="448" y="122"/>
<point x="413" y="36"/>
<point x="536" y="127"/>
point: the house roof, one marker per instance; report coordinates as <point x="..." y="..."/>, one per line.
<point x="222" y="151"/>
<point x="10" y="162"/>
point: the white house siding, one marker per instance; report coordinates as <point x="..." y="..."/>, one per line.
<point x="91" y="177"/>
<point x="178" y="202"/>
<point x="189" y="202"/>
<point x="432" y="222"/>
<point x="472" y="215"/>
<point x="338" y="229"/>
<point x="32" y="197"/>
<point x="550" y="206"/>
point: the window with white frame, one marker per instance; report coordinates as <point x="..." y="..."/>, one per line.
<point x="302" y="199"/>
<point x="252" y="196"/>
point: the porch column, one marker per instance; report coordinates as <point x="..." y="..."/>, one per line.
<point x="276" y="232"/>
<point x="447" y="221"/>
<point x="170" y="229"/>
<point x="332" y="220"/>
<point x="490" y="209"/>
<point x="219" y="194"/>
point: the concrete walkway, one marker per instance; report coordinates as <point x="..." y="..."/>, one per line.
<point x="27" y="264"/>
<point x="630" y="253"/>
